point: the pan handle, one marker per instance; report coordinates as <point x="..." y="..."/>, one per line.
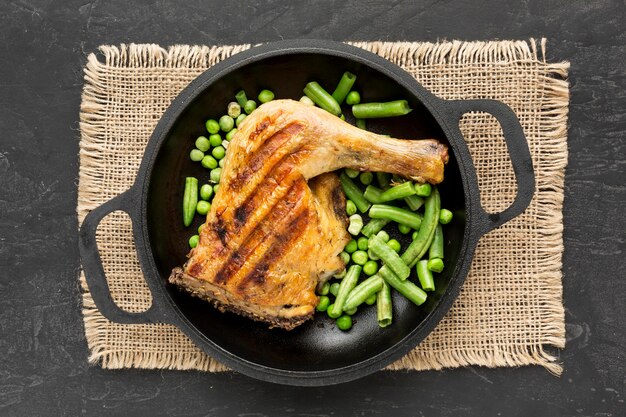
<point x="92" y="264"/>
<point x="519" y="153"/>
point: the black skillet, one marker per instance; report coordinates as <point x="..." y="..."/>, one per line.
<point x="317" y="353"/>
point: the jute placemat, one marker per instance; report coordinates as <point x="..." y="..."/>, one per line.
<point x="510" y="311"/>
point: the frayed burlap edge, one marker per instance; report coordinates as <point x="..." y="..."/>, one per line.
<point x="555" y="132"/>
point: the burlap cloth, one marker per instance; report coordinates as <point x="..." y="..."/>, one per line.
<point x="510" y="311"/>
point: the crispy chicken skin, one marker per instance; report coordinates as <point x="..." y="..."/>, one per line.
<point x="278" y="222"/>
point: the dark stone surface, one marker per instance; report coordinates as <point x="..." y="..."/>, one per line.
<point x="43" y="367"/>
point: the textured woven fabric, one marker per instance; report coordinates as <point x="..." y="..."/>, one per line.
<point x="510" y="310"/>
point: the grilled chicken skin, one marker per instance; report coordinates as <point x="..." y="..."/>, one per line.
<point x="278" y="222"/>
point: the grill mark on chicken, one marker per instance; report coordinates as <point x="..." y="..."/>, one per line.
<point x="263" y="155"/>
<point x="263" y="230"/>
<point x="291" y="233"/>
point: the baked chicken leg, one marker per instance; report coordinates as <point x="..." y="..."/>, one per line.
<point x="278" y="222"/>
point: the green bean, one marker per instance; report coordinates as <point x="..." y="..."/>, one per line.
<point x="352" y="98"/>
<point x="394" y="244"/>
<point x="343" y="87"/>
<point x="346" y="285"/>
<point x="209" y="162"/>
<point x="353" y="192"/>
<point x="240" y="119"/>
<point x="383" y="235"/>
<point x="344" y="323"/>
<point x="241" y="98"/>
<point x="265" y="96"/>
<point x="193" y="241"/>
<point x="361" y="124"/>
<point x="398" y="191"/>
<point x="202" y="143"/>
<point x="350" y="312"/>
<point x="212" y="126"/>
<point x="374" y="226"/>
<point x="435" y="265"/>
<point x="362" y="292"/>
<point x="370" y="267"/>
<point x="196" y="155"/>
<point x="359" y="257"/>
<point x="345" y="257"/>
<point x="234" y="109"/>
<point x="383" y="179"/>
<point x="384" y="311"/>
<point x="445" y="216"/>
<point x="425" y="235"/>
<point x="372" y="255"/>
<point x="331" y="313"/>
<point x="411" y="291"/>
<point x="414" y="202"/>
<point x="229" y="135"/>
<point x="372" y="194"/>
<point x="226" y="123"/>
<point x="356" y="224"/>
<point x="352" y="173"/>
<point x="425" y="276"/>
<point x="307" y="101"/>
<point x="404" y="229"/>
<point x="218" y="152"/>
<point x="366" y="178"/>
<point x="250" y="106"/>
<point x="215" y="175"/>
<point x="399" y="215"/>
<point x="322" y="304"/>
<point x="423" y="190"/>
<point x="390" y="257"/>
<point x="378" y="110"/>
<point x="321" y="97"/>
<point x="334" y="288"/>
<point x="436" y="247"/>
<point x="215" y="139"/>
<point x="350" y="208"/>
<point x="371" y="299"/>
<point x="190" y="200"/>
<point x="203" y="207"/>
<point x="351" y="246"/>
<point x="325" y="289"/>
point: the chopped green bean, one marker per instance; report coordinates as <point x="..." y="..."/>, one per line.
<point x="307" y="101"/>
<point x="372" y="194"/>
<point x="344" y="323"/>
<point x="353" y="192"/>
<point x="414" y="202"/>
<point x="384" y="311"/>
<point x="352" y="173"/>
<point x="394" y="244"/>
<point x="241" y="98"/>
<point x="406" y="287"/>
<point x="350" y="208"/>
<point x="379" y="110"/>
<point x="384" y="180"/>
<point x="372" y="255"/>
<point x="356" y="224"/>
<point x="359" y="257"/>
<point x="265" y="96"/>
<point x="353" y="98"/>
<point x="209" y="162"/>
<point x="445" y="216"/>
<point x="234" y="109"/>
<point x="193" y="241"/>
<point x="346" y="285"/>
<point x="435" y="265"/>
<point x="374" y="226"/>
<point x="436" y="247"/>
<point x="362" y="292"/>
<point x="361" y="124"/>
<point x="202" y="143"/>
<point x="322" y="304"/>
<point x="366" y="177"/>
<point x="426" y="232"/>
<point x="425" y="276"/>
<point x="190" y="200"/>
<point x="383" y="235"/>
<point x="423" y="190"/>
<point x="391" y="259"/>
<point x="343" y="87"/>
<point x="250" y="106"/>
<point x="398" y="191"/>
<point x="212" y="126"/>
<point x="371" y="300"/>
<point x="321" y="97"/>
<point x="196" y="155"/>
<point x="399" y="215"/>
<point x="404" y="229"/>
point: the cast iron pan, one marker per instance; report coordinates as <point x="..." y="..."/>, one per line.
<point x="317" y="353"/>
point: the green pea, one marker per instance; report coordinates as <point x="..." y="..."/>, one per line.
<point x="226" y="123"/>
<point x="215" y="175"/>
<point x="209" y="162"/>
<point x="334" y="288"/>
<point x="196" y="155"/>
<point x="383" y="235"/>
<point x="265" y="96"/>
<point x="193" y="241"/>
<point x="330" y="313"/>
<point x="370" y="268"/>
<point x="371" y="300"/>
<point x="366" y="177"/>
<point x="203" y="207"/>
<point x="345" y="257"/>
<point x="206" y="192"/>
<point x="353" y="98"/>
<point x="445" y="216"/>
<point x="229" y="135"/>
<point x="350" y="207"/>
<point x="323" y="303"/>
<point x="215" y="139"/>
<point x="414" y="235"/>
<point x="325" y="288"/>
<point x="212" y="126"/>
<point x="351" y="312"/>
<point x="218" y="152"/>
<point x="221" y="163"/>
<point x="202" y="143"/>
<point x="250" y="106"/>
<point x="394" y="244"/>
<point x="200" y="228"/>
<point x="215" y="188"/>
<point x="344" y="322"/>
<point x="362" y="243"/>
<point x="351" y="246"/>
<point x="240" y="119"/>
<point x="404" y="229"/>
<point x="359" y="257"/>
<point x="342" y="117"/>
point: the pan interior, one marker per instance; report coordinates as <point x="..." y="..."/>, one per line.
<point x="317" y="345"/>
